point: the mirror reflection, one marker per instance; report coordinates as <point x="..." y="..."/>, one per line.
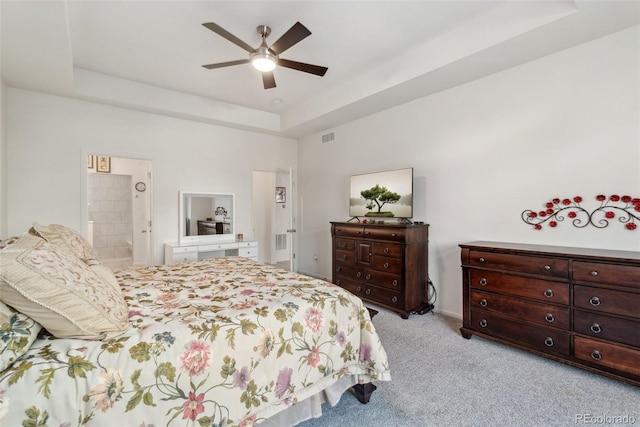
<point x="206" y="217"/>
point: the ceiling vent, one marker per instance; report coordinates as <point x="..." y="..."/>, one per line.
<point x="328" y="137"/>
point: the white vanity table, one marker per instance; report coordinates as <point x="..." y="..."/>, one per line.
<point x="173" y="252"/>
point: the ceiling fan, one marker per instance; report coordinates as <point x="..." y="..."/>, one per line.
<point x="265" y="57"/>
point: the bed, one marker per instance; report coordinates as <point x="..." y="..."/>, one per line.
<point x="217" y="342"/>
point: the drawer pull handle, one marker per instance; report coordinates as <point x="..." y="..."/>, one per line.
<point x="359" y="288"/>
<point x="368" y="291"/>
<point x="483" y="281"/>
<point x="481" y="259"/>
<point x="338" y="269"/>
<point x="483" y="323"/>
<point x="548" y="342"/>
<point x="394" y="299"/>
<point x="386" y="265"/>
<point x="394" y="283"/>
<point x="547" y="267"/>
<point x="368" y="277"/>
<point x="594" y="273"/>
<point x="343" y="244"/>
<point x="344" y="257"/>
<point x="366" y="233"/>
<point x="548" y="293"/>
<point x="595" y="328"/>
<point x="386" y="250"/>
<point x="595" y="354"/>
<point x="359" y="274"/>
<point x="394" y="235"/>
<point x="549" y="318"/>
<point x="594" y="301"/>
<point x="339" y="282"/>
<point x="483" y="302"/>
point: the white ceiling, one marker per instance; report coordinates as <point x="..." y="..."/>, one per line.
<point x="148" y="55"/>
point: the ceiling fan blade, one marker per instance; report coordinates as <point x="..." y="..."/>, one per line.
<point x="226" y="64"/>
<point x="301" y="66"/>
<point x="227" y="35"/>
<point x="295" y="34"/>
<point x="268" y="80"/>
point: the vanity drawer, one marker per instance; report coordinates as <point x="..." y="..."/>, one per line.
<point x="248" y="252"/>
<point x="607" y="301"/>
<point x="606" y="274"/>
<point x="605" y="354"/>
<point x="542" y="266"/>
<point x="543" y="314"/>
<point x="607" y="327"/>
<point x="538" y="337"/>
<point x="542" y="290"/>
<point x="217" y="247"/>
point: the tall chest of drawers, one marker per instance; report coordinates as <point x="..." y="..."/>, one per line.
<point x="385" y="264"/>
<point x="577" y="306"/>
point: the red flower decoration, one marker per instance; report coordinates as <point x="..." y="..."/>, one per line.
<point x="572" y="215"/>
<point x="550" y="211"/>
<point x="552" y="224"/>
<point x="630" y="226"/>
<point x="539" y="227"/>
<point x="532" y="214"/>
<point x="556" y="201"/>
<point x="626" y="199"/>
<point x="549" y="205"/>
<point x="610" y="214"/>
<point x="542" y="213"/>
<point x="601" y="197"/>
<point x="577" y="199"/>
<point x="566" y="202"/>
<point x="614" y="198"/>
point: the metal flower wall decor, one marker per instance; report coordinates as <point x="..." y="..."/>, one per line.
<point x="624" y="209"/>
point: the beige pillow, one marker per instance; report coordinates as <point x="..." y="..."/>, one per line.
<point x="60" y="292"/>
<point x="65" y="238"/>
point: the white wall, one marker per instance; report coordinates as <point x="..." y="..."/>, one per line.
<point x="48" y="137"/>
<point x="3" y="164"/>
<point x="482" y="153"/>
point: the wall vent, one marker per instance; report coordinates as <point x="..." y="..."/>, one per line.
<point x="281" y="242"/>
<point x="328" y="137"/>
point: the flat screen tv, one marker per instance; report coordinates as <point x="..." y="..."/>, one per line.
<point x="382" y="195"/>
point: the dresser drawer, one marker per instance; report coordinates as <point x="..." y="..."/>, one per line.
<point x="248" y="252"/>
<point x="608" y="274"/>
<point x="387" y="265"/>
<point x="346" y="244"/>
<point x="544" y="314"/>
<point x="534" y="336"/>
<point x="345" y="257"/>
<point x="537" y="265"/>
<point x="383" y="296"/>
<point x="385" y="233"/>
<point x="607" y="301"/>
<point x="607" y="327"/>
<point x="386" y="280"/>
<point x="348" y="231"/>
<point x="387" y="249"/>
<point x="543" y="290"/>
<point x="605" y="354"/>
<point x="348" y="271"/>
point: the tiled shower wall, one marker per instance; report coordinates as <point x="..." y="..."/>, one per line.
<point x="109" y="198"/>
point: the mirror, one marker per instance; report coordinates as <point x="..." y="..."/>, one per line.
<point x="206" y="217"/>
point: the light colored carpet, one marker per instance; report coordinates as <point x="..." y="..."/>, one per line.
<point x="442" y="379"/>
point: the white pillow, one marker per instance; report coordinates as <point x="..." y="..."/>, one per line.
<point x="60" y="292"/>
<point x="65" y="238"/>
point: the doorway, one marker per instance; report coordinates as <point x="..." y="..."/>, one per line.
<point x="119" y="210"/>
<point x="272" y="212"/>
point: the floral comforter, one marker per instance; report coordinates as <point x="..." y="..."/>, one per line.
<point x="224" y="341"/>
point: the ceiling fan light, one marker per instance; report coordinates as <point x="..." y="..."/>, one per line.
<point x="263" y="63"/>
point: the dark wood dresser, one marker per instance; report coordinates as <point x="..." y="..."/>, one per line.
<point x="577" y="306"/>
<point x="385" y="264"/>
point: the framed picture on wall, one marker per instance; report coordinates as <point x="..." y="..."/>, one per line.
<point x="281" y="194"/>
<point x="104" y="164"/>
<point x="90" y="161"/>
